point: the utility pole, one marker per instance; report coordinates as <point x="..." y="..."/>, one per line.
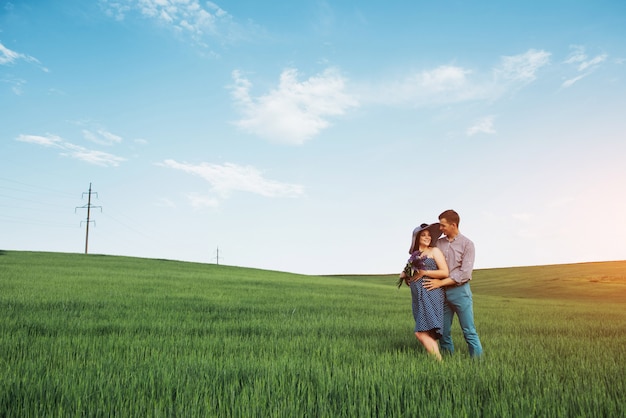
<point x="217" y="256"/>
<point x="88" y="207"/>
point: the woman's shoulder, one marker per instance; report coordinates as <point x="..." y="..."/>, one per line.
<point x="434" y="250"/>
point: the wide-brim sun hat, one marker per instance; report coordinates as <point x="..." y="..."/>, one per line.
<point x="435" y="233"/>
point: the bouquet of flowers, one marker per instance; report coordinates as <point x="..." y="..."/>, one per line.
<point x="414" y="263"/>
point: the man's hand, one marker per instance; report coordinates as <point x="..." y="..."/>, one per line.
<point x="430" y="284"/>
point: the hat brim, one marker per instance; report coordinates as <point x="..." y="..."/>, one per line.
<point x="435" y="233"/>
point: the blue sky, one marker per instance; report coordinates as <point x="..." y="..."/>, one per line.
<point x="312" y="136"/>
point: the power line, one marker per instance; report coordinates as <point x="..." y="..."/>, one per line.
<point x="25" y="221"/>
<point x="108" y="215"/>
<point x="32" y="186"/>
<point x="88" y="206"/>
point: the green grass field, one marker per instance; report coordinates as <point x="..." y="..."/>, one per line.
<point x="116" y="336"/>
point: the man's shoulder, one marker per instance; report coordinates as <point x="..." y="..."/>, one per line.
<point x="464" y="237"/>
<point x="459" y="241"/>
<point x="465" y="240"/>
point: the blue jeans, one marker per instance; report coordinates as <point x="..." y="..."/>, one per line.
<point x="459" y="301"/>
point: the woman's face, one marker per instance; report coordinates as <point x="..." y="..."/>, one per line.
<point x="425" y="238"/>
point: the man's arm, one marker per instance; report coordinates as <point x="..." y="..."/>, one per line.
<point x="464" y="273"/>
<point x="460" y="275"/>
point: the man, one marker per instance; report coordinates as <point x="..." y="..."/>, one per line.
<point x="459" y="253"/>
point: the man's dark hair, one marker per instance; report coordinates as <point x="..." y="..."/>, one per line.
<point x="450" y="216"/>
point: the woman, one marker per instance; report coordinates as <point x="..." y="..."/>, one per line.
<point x="426" y="261"/>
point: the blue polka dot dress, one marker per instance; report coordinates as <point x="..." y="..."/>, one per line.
<point x="427" y="304"/>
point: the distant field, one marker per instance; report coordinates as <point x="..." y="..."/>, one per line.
<point x="101" y="336"/>
<point x="593" y="282"/>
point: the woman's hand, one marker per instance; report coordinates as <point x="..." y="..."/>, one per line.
<point x="403" y="278"/>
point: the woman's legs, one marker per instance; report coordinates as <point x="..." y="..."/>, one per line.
<point x="429" y="343"/>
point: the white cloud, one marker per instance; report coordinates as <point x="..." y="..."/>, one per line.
<point x="46" y="141"/>
<point x="571" y="81"/>
<point x="448" y="84"/>
<point x="443" y="84"/>
<point x="10" y="57"/>
<point x="484" y="125"/>
<point x="444" y="78"/>
<point x="192" y="17"/>
<point x="576" y="55"/>
<point x="582" y="63"/>
<point x="523" y="67"/>
<point x="16" y="85"/>
<point x="115" y="9"/>
<point x="74" y="151"/>
<point x="579" y="57"/>
<point x="229" y="177"/>
<point x="101" y="137"/>
<point x="295" y="111"/>
<point x="592" y="63"/>
<point x="92" y="156"/>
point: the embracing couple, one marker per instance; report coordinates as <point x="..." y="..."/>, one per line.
<point x="438" y="273"/>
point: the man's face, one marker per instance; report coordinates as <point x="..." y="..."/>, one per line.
<point x="446" y="227"/>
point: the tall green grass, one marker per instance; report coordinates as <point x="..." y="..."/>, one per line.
<point x="102" y="336"/>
